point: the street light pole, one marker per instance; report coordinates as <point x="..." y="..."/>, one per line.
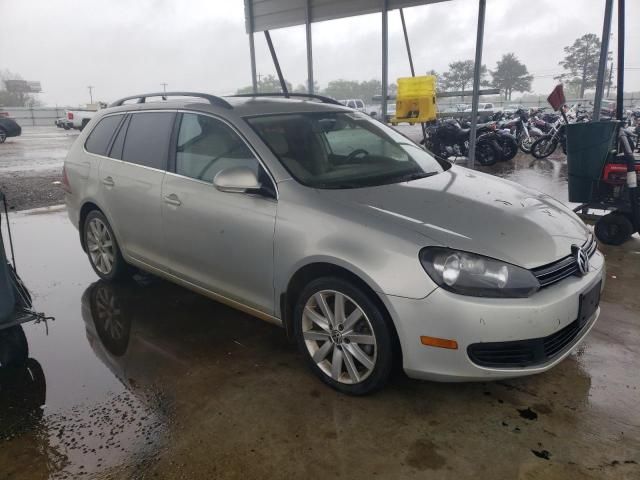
<point x="90" y="87"/>
<point x="164" y="87"/>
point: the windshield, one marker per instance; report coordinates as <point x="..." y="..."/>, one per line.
<point x="343" y="150"/>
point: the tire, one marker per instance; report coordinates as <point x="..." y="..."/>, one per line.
<point x="102" y="248"/>
<point x="110" y="317"/>
<point x="486" y="154"/>
<point x="614" y="229"/>
<point x="543" y="147"/>
<point x="509" y="147"/>
<point x="66" y="126"/>
<point x="14" y="349"/>
<point x="3" y="135"/>
<point x="526" y="143"/>
<point x="359" y="373"/>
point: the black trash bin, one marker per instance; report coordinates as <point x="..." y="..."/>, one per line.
<point x="588" y="146"/>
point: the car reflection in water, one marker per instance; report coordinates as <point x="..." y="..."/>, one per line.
<point x="152" y="334"/>
<point x="125" y="328"/>
<point x="23" y="386"/>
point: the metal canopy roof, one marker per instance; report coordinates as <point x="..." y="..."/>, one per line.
<point x="271" y="14"/>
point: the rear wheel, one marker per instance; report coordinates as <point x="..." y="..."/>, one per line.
<point x="486" y="154"/>
<point x="14" y="349"/>
<point x="614" y="229"/>
<point x="3" y="135"/>
<point x="344" y="336"/>
<point x="102" y="248"/>
<point x="509" y="147"/>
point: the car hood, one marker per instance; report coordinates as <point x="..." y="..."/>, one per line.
<point x="475" y="212"/>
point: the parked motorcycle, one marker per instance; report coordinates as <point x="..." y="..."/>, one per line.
<point x="449" y="139"/>
<point x="547" y="144"/>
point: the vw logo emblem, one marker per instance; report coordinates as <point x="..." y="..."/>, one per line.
<point x="582" y="260"/>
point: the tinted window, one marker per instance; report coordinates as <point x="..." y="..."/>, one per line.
<point x="206" y="146"/>
<point x="147" y="139"/>
<point x="99" y="138"/>
<point x="118" y="143"/>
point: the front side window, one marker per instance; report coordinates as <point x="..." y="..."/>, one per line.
<point x="343" y="150"/>
<point x="99" y="139"/>
<point x="147" y="139"/>
<point x="207" y="146"/>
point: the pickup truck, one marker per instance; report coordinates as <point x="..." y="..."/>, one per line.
<point x="78" y="119"/>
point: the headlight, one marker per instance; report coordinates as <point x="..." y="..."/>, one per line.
<point x="477" y="276"/>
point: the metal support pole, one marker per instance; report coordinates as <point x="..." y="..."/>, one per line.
<point x="252" y="54"/>
<point x="477" y="68"/>
<point x="276" y="63"/>
<point x="602" y="65"/>
<point x="413" y="72"/>
<point x="252" y="46"/>
<point x="620" y="85"/>
<point x="406" y="42"/>
<point x="385" y="63"/>
<point x="310" y="86"/>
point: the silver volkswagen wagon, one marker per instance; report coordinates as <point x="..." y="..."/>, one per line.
<point x="366" y="248"/>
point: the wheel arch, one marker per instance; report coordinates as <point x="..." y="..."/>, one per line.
<point x="323" y="268"/>
<point x="88" y="206"/>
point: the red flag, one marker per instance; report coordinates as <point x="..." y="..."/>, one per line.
<point x="556" y="99"/>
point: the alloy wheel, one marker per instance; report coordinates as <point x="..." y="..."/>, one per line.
<point x="339" y="337"/>
<point x="100" y="246"/>
<point x="108" y="314"/>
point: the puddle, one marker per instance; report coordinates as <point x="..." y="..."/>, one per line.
<point x="145" y="378"/>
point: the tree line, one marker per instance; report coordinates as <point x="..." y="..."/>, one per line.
<point x="580" y="64"/>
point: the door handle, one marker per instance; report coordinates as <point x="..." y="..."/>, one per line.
<point x="172" y="200"/>
<point x="108" y="182"/>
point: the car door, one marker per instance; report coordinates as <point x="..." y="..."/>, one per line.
<point x="131" y="183"/>
<point x="219" y="241"/>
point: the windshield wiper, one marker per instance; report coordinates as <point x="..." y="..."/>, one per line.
<point x="412" y="176"/>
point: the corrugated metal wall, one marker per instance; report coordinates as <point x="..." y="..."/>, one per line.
<point x="271" y="14"/>
<point x="35" y="117"/>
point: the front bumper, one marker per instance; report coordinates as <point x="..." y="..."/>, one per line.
<point x="471" y="320"/>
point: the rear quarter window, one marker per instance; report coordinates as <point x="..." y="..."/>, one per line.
<point x="100" y="137"/>
<point x="147" y="139"/>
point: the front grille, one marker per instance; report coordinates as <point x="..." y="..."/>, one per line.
<point x="563" y="268"/>
<point x="523" y="353"/>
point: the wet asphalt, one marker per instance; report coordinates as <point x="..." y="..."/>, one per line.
<point x="147" y="380"/>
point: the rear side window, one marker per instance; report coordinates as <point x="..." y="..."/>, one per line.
<point x="147" y="139"/>
<point x="100" y="137"/>
<point x="118" y="143"/>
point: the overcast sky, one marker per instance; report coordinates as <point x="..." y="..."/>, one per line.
<point x="123" y="47"/>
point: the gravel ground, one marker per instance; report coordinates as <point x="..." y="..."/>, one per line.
<point x="31" y="191"/>
<point x="31" y="163"/>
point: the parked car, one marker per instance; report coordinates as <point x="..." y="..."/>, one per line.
<point x="366" y="248"/>
<point x="79" y="118"/>
<point x="608" y="108"/>
<point x="513" y="108"/>
<point x="482" y="108"/>
<point x="355" y="103"/>
<point x="62" y="122"/>
<point x="8" y="128"/>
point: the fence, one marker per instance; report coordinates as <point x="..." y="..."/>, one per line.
<point x="36" y="116"/>
<point x="631" y="99"/>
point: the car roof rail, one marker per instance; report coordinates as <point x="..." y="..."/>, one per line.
<point x="322" y="98"/>
<point x="213" y="100"/>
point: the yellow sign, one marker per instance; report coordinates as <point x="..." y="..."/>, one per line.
<point x="416" y="99"/>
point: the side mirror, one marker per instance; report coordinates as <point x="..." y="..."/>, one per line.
<point x="236" y="180"/>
